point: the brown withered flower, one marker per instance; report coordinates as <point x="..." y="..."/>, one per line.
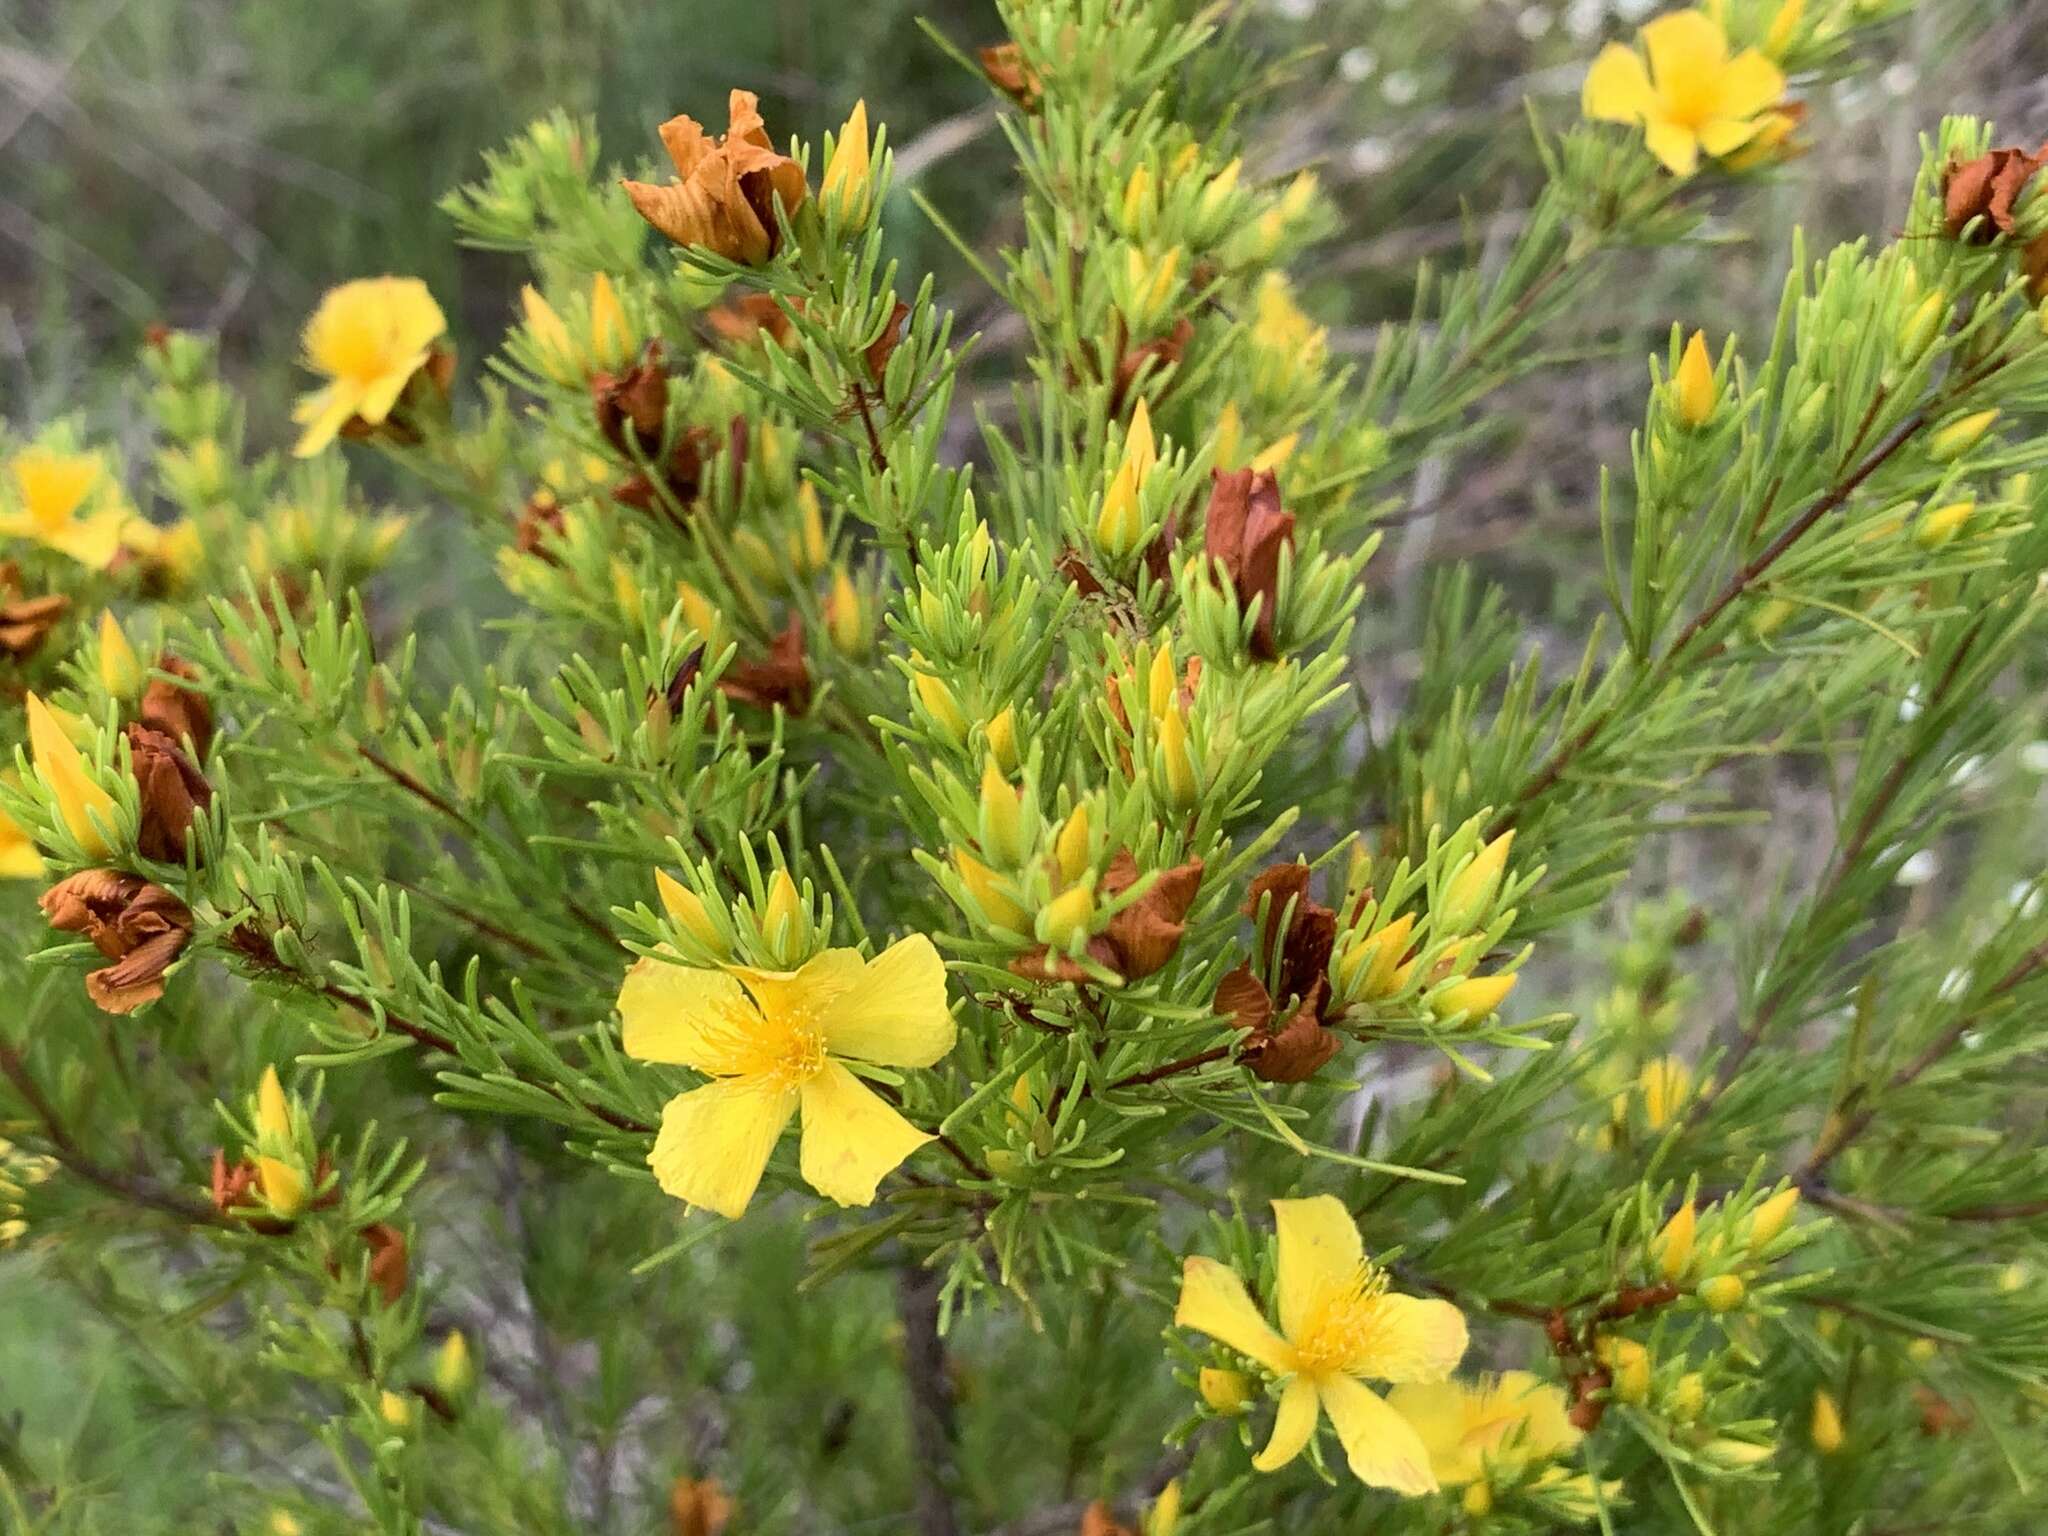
<point x="1986" y="188"/>
<point x="173" y="792"/>
<point x="390" y="1264"/>
<point x="683" y="474"/>
<point x="751" y="316"/>
<point x="1004" y="65"/>
<point x="698" y="1507"/>
<point x="181" y="713"/>
<point x="636" y="399"/>
<point x="1162" y="352"/>
<point x="782" y="677"/>
<point x="1157" y="558"/>
<point x="539" y="524"/>
<point x="141" y="927"/>
<point x="724" y="197"/>
<point x="1292" y="1051"/>
<point x="883" y="347"/>
<point x="25" y="622"/>
<point x="1144" y="935"/>
<point x="1244" y="531"/>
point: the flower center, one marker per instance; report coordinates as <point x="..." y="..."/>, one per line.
<point x="1693" y="99"/>
<point x="1343" y="1325"/>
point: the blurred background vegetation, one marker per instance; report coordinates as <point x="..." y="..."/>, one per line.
<point x="217" y="163"/>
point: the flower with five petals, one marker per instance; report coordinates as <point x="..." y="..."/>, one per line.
<point x="1692" y="97"/>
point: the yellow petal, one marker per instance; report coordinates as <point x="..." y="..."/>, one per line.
<point x="83" y="805"/>
<point x="382" y="394"/>
<point x="1676" y="146"/>
<point x="91" y="541"/>
<point x="851" y="1137"/>
<point x="1724" y="135"/>
<point x="1292" y="1427"/>
<point x="273" y="1111"/>
<point x="1213" y="1300"/>
<point x="1617" y="88"/>
<point x="1543" y="1410"/>
<point x="1320" y="1253"/>
<point x="1685" y="48"/>
<point x="715" y="1141"/>
<point x="812" y="989"/>
<point x="895" y="1013"/>
<point x="685" y="1016"/>
<point x="322" y="413"/>
<point x="1381" y="1446"/>
<point x="1749" y="84"/>
<point x="1413" y="1338"/>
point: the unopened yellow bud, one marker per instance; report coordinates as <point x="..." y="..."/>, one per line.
<point x="1164" y="1516"/>
<point x="1372" y="968"/>
<point x="1737" y="1453"/>
<point x="1064" y="921"/>
<point x="1665" y="1084"/>
<point x="1673" y="1247"/>
<point x="282" y="1186"/>
<point x="273" y="1110"/>
<point x="990" y="893"/>
<point x="554" y="349"/>
<point x="612" y="342"/>
<point x="1477" y="1499"/>
<point x="757" y="555"/>
<point x="687" y="910"/>
<point x="1138" y="203"/>
<point x="1783" y="27"/>
<point x="1688" y="1397"/>
<point x="1920" y="326"/>
<point x="1694" y="393"/>
<point x="942" y="705"/>
<point x="1469" y="896"/>
<point x="1223" y="1390"/>
<point x="1070" y="848"/>
<point x="393" y="1409"/>
<point x="1477" y="997"/>
<point x="1770" y="1218"/>
<point x="1219" y="190"/>
<point x="1229" y="436"/>
<point x="811" y="549"/>
<point x="454" y="1372"/>
<point x="1151" y="283"/>
<point x="1176" y="754"/>
<point x="1920" y="1351"/>
<point x="625" y="590"/>
<point x="1002" y="739"/>
<point x="284" y="1523"/>
<point x="83" y="806"/>
<point x="699" y="613"/>
<point x="1955" y="438"/>
<point x="784" y="913"/>
<point x="1002" y="820"/>
<point x="1162" y="681"/>
<point x="844" y="192"/>
<point x="1941" y="524"/>
<point x="846" y="617"/>
<point x="1274" y="455"/>
<point x="1629" y="1363"/>
<point x="120" y="669"/>
<point x="1723" y="1293"/>
<point x="1826" y="1427"/>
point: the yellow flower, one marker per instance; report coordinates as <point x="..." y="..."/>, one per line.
<point x="18" y="857"/>
<point x="67" y="502"/>
<point x="368" y="338"/>
<point x="1692" y="97"/>
<point x="773" y="1042"/>
<point x="1826" y="1427"/>
<point x="85" y="807"/>
<point x="1338" y="1323"/>
<point x="1511" y="1421"/>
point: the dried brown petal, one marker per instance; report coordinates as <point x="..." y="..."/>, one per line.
<point x="1096" y="1520"/>
<point x="724" y="197"/>
<point x="751" y="315"/>
<point x="698" y="1507"/>
<point x="1987" y="188"/>
<point x="1297" y="1050"/>
<point x="782" y="678"/>
<point x="636" y="399"/>
<point x="1004" y="65"/>
<point x="390" y="1264"/>
<point x="26" y="622"/>
<point x="540" y="523"/>
<point x="884" y="346"/>
<point x="1145" y="934"/>
<point x="141" y="927"/>
<point x="179" y="713"/>
<point x="1310" y="934"/>
<point x="1244" y="532"/>
<point x="173" y="792"/>
<point x="1149" y="359"/>
<point x="1041" y="963"/>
